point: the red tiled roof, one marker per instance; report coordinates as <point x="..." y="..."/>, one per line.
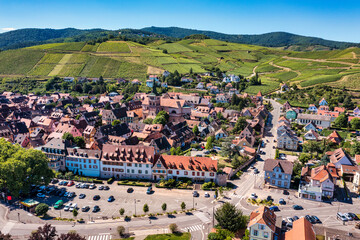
<point x="263" y="215"/>
<point x="302" y="230"/>
<point x="189" y="163"/>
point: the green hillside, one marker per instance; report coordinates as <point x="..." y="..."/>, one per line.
<point x="131" y="60"/>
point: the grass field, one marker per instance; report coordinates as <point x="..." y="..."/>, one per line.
<point x="267" y="86"/>
<point x="113" y="47"/>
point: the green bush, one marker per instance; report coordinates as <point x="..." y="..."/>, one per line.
<point x="208" y="185"/>
<point x="97" y="181"/>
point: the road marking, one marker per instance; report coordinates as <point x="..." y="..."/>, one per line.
<point x="7" y="228"/>
<point x="202" y="217"/>
<point x="194" y="228"/>
<point x="105" y="236"/>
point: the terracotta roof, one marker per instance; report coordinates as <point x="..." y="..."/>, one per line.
<point x="349" y="169"/>
<point x="357" y="159"/>
<point x="128" y="153"/>
<point x="189" y="163"/>
<point x="322" y="176"/>
<point x="337" y="155"/>
<point x="302" y="230"/>
<point x="263" y="215"/>
<point x="285" y="165"/>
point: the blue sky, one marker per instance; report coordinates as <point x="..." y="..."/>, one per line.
<point x="334" y="20"/>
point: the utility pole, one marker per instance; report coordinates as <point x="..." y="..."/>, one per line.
<point x="213" y="220"/>
<point x="193" y="202"/>
<point x="135" y="205"/>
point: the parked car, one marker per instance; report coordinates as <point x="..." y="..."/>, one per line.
<point x="317" y="220"/>
<point x="275" y="208"/>
<point x="282" y="201"/>
<point x="92" y="186"/>
<point x="40" y="195"/>
<point x="348" y="216"/>
<point x="73" y="206"/>
<point x="101" y="187"/>
<point x="295" y="218"/>
<point x="82" y="196"/>
<point x="58" y="204"/>
<point x="297" y="207"/>
<point x="341" y="217"/>
<point x="290" y="219"/>
<point x="253" y="196"/>
<point x="354" y="216"/>
<point x="269" y="198"/>
<point x="96" y="197"/>
<point x="71" y="183"/>
<point x="86" y="185"/>
<point x="96" y="208"/>
<point x="207" y="195"/>
<point x="149" y="190"/>
<point x="285" y="192"/>
<point x="78" y="185"/>
<point x="71" y="194"/>
<point x="130" y="190"/>
<point x="85" y="208"/>
<point x="111" y="198"/>
<point x="310" y="219"/>
<point x="256" y="171"/>
<point x="53" y="181"/>
<point x="195" y="194"/>
<point x="67" y="207"/>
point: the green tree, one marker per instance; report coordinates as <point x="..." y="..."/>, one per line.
<point x="277" y="154"/>
<point x="173" y="228"/>
<point x="122" y="211"/>
<point x="80" y="142"/>
<point x="209" y="142"/>
<point x="161" y="118"/>
<point x="68" y="136"/>
<point x="341" y="121"/>
<point x="183" y="206"/>
<point x="107" y="106"/>
<point x="148" y="121"/>
<point x="145" y="208"/>
<point x="75" y="213"/>
<point x="41" y="209"/>
<point x="115" y="122"/>
<point x="5" y="236"/>
<point x="355" y="123"/>
<point x="20" y="168"/>
<point x="120" y="230"/>
<point x="304" y="158"/>
<point x="355" y="148"/>
<point x="240" y="125"/>
<point x="196" y="130"/>
<point x="172" y="151"/>
<point x="221" y="234"/>
<point x="164" y="206"/>
<point x="230" y="218"/>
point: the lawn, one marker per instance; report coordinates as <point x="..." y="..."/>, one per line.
<point x="19" y="61"/>
<point x="176" y="236"/>
<point x="113" y="47"/>
<point x="327" y="132"/>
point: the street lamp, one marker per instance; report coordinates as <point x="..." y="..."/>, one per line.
<point x="135" y="205"/>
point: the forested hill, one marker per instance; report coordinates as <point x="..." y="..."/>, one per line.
<point x="34" y="36"/>
<point x="273" y="39"/>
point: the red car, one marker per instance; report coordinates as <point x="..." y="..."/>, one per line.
<point x="71" y="183"/>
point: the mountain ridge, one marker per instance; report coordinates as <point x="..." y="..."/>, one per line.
<point x="34" y="36"/>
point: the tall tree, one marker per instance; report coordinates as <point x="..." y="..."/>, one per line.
<point x="47" y="232"/>
<point x="230" y="218"/>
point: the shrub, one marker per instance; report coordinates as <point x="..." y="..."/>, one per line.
<point x="173" y="228"/>
<point x="208" y="185"/>
<point x="122" y="211"/>
<point x="97" y="181"/>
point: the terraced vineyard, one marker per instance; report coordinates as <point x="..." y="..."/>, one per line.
<point x="340" y="68"/>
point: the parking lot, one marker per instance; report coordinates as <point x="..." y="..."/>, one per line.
<point x="132" y="202"/>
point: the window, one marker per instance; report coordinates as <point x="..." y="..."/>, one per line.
<point x="158" y="165"/>
<point x="104" y="168"/>
<point x="185" y="173"/>
<point x="177" y="172"/>
<point x="273" y="174"/>
<point x="212" y="174"/>
<point x="193" y="173"/>
<point x="286" y="176"/>
<point x="129" y="164"/>
<point x="132" y="170"/>
<point x="261" y="227"/>
<point x="203" y="174"/>
<point x="128" y="170"/>
<point x="147" y="165"/>
<point x="255" y="232"/>
<point x="285" y="184"/>
<point x="170" y="171"/>
<point x="279" y="183"/>
<point x="146" y="171"/>
<point x="140" y="171"/>
<point x="135" y="164"/>
<point x="139" y="164"/>
<point x="197" y="174"/>
<point x="266" y="234"/>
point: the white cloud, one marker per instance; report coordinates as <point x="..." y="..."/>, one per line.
<point x="6" y="29"/>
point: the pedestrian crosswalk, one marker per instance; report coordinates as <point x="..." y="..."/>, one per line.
<point x="106" y="236"/>
<point x="257" y="174"/>
<point x="237" y="196"/>
<point x="193" y="228"/>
